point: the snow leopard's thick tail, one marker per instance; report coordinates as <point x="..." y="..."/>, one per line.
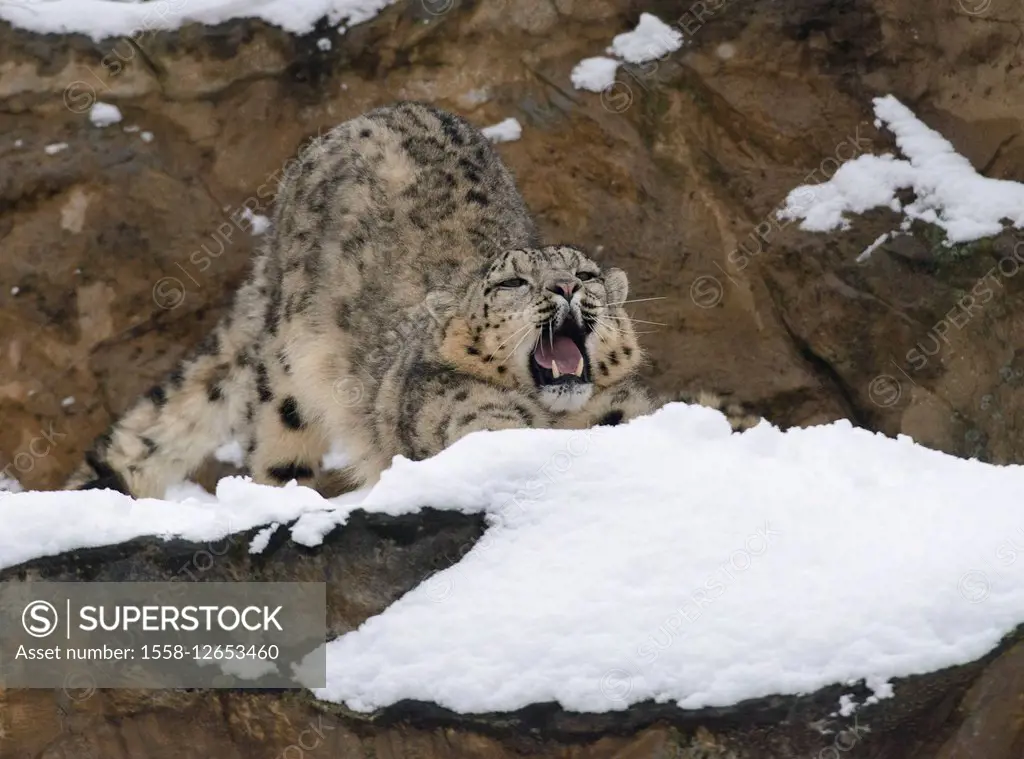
<point x="171" y="430"/>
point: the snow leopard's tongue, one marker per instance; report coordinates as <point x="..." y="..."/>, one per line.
<point x="561" y="351"/>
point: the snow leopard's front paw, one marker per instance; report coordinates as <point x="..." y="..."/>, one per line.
<point x="739" y="416"/>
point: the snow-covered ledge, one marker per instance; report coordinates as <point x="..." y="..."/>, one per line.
<point x="948" y="192"/>
<point x="664" y="567"/>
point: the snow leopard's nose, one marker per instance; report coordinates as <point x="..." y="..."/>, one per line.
<point x="564" y="286"/>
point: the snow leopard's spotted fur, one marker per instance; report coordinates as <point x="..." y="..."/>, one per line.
<point x="396" y="307"/>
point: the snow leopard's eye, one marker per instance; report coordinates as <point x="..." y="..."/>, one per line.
<point x="585" y="276"/>
<point x="513" y="283"/>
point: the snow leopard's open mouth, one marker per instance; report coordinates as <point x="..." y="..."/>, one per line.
<point x="560" y="358"/>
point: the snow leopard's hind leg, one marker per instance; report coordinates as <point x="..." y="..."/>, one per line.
<point x="288" y="441"/>
<point x="206" y="400"/>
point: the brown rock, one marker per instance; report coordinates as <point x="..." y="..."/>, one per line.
<point x="112" y="245"/>
<point x="371" y="562"/>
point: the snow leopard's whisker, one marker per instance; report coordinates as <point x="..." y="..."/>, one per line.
<point x="635" y="300"/>
<point x="511" y="337"/>
<point x="599" y="322"/>
<point x="638" y="321"/>
<point x="514" y="349"/>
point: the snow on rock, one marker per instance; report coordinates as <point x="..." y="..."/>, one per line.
<point x="262" y="538"/>
<point x="230" y="453"/>
<point x="594" y="74"/>
<point x="101" y="19"/>
<point x="104" y="114"/>
<point x="508" y="130"/>
<point x="36" y="523"/>
<point x="879" y="241"/>
<point x="258" y="222"/>
<point x="948" y="191"/>
<point x="618" y="568"/>
<point x="651" y="39"/>
<point x="55" y="147"/>
<point x="664" y="559"/>
<point x="337" y="457"/>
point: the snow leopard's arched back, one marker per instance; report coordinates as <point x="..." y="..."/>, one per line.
<point x="402" y="301"/>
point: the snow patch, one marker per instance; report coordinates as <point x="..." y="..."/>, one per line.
<point x="231" y="453"/>
<point x="508" y="130"/>
<point x="337" y="457"/>
<point x="651" y="39"/>
<point x="36" y="523"/>
<point x="103" y="19"/>
<point x="258" y="223"/>
<point x="104" y="114"/>
<point x="262" y="538"/>
<point x="948" y="191"/>
<point x="611" y="574"/>
<point x="55" y="147"/>
<point x="594" y="74"/>
<point x="879" y="241"/>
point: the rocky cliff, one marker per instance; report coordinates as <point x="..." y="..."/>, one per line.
<point x="121" y="248"/>
<point x="967" y="712"/>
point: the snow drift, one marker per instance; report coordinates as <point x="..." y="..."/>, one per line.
<point x="666" y="559"/>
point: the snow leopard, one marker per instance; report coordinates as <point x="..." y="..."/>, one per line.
<point x="402" y="300"/>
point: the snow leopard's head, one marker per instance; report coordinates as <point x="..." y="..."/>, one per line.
<point x="549" y="319"/>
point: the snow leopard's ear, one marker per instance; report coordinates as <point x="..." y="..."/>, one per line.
<point x="616" y="284"/>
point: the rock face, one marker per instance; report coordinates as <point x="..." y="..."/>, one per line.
<point x="121" y="249"/>
<point x="969" y="711"/>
